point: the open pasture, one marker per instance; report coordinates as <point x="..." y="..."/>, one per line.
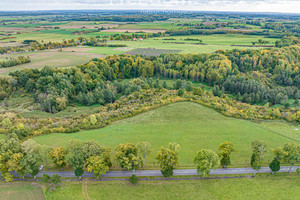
<point x="191" y="125"/>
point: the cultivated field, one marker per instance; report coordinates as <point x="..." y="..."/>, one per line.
<point x="191" y="125"/>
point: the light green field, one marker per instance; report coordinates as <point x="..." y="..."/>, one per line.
<point x="149" y="25"/>
<point x="67" y="58"/>
<point x="214" y="43"/>
<point x="191" y="125"/>
<point x="287" y="129"/>
<point x="266" y="187"/>
<point x="18" y="191"/>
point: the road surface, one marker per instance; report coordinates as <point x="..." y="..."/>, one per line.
<point x="177" y="172"/>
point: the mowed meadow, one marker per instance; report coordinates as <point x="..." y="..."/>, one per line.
<point x="191" y="125"/>
<point x="281" y="187"/>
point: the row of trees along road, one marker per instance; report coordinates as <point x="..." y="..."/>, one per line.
<point x="27" y="157"/>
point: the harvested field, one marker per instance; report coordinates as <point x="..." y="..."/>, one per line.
<point x="66" y="58"/>
<point x="151" y="51"/>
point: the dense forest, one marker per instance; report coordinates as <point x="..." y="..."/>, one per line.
<point x="254" y="76"/>
<point x="239" y="83"/>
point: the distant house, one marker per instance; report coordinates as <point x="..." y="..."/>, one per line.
<point x="134" y="39"/>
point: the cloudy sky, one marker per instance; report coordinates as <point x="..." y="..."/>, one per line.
<point x="285" y="6"/>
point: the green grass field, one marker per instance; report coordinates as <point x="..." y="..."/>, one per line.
<point x="264" y="187"/>
<point x="214" y="43"/>
<point x="18" y="191"/>
<point x="191" y="125"/>
<point x="150" y="25"/>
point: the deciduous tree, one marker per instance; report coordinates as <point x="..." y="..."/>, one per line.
<point x="225" y="149"/>
<point x="96" y="165"/>
<point x="291" y="154"/>
<point x="168" y="159"/>
<point x="206" y="160"/>
<point x="258" y="151"/>
<point x="127" y="158"/>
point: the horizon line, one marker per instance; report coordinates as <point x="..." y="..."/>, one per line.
<point x="176" y="10"/>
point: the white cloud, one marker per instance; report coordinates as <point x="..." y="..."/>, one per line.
<point x="288" y="6"/>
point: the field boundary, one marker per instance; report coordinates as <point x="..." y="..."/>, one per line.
<point x="267" y="129"/>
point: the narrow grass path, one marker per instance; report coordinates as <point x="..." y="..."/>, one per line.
<point x="84" y="189"/>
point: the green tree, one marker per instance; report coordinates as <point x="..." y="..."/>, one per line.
<point x="225" y="149"/>
<point x="168" y="159"/>
<point x="291" y="154"/>
<point x="76" y="156"/>
<point x="258" y="151"/>
<point x="32" y="163"/>
<point x="144" y="149"/>
<point x="10" y="149"/>
<point x="91" y="148"/>
<point x="275" y="164"/>
<point x="206" y="160"/>
<point x="127" y="158"/>
<point x="96" y="165"/>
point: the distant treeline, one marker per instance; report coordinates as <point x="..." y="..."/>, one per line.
<point x="125" y="18"/>
<point x="193" y="31"/>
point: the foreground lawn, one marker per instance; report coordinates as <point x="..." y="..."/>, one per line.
<point x="261" y="187"/>
<point x="191" y="125"/>
<point x="18" y="191"/>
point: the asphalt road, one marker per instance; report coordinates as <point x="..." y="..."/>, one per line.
<point x="178" y="172"/>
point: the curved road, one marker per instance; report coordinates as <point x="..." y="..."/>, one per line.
<point x="178" y="172"/>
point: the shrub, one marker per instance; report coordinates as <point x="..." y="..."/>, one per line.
<point x="133" y="179"/>
<point x="45" y="178"/>
<point x="56" y="179"/>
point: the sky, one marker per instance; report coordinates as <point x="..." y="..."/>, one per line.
<point x="287" y="6"/>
